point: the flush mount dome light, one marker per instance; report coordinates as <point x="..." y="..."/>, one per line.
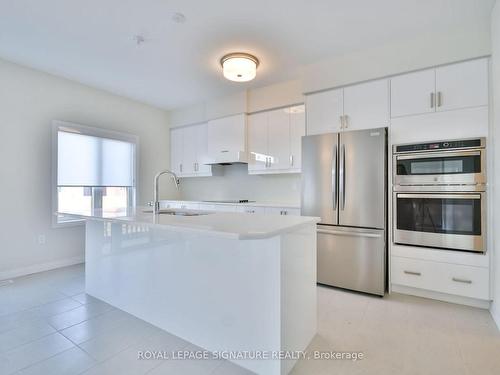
<point x="239" y="67"/>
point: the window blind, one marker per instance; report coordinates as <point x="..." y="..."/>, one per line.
<point x="85" y="160"/>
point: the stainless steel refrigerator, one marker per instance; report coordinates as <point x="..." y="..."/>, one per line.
<point x="344" y="181"/>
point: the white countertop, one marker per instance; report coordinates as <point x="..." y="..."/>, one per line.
<point x="221" y="224"/>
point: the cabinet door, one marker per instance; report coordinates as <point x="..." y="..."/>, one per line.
<point x="189" y="150"/>
<point x="413" y="93"/>
<point x="257" y="141"/>
<point x="366" y="105"/>
<point x="323" y="111"/>
<point x="226" y="135"/>
<point x="176" y="140"/>
<point x="279" y="138"/>
<point x="462" y="85"/>
<point x="202" y="150"/>
<point x="297" y="131"/>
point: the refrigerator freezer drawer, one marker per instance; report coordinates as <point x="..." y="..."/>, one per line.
<point x="352" y="258"/>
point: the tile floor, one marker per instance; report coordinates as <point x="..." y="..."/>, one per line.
<point x="48" y="325"/>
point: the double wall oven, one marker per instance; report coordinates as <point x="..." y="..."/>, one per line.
<point x="440" y="194"/>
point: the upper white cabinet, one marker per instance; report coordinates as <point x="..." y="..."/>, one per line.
<point x="462" y="85"/>
<point x="356" y="107"/>
<point x="297" y="131"/>
<point x="227" y="139"/>
<point x="450" y="87"/>
<point x="258" y="148"/>
<point x="274" y="140"/>
<point x="366" y="106"/>
<point x="324" y="112"/>
<point x="188" y="148"/>
<point x="413" y="93"/>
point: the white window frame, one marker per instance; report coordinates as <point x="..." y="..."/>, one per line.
<point x="95" y="132"/>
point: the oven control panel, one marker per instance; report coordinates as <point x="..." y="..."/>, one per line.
<point x="442" y="145"/>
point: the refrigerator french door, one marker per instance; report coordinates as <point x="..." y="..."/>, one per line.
<point x="344" y="182"/>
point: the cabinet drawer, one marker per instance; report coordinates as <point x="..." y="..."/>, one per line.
<point x="448" y="278"/>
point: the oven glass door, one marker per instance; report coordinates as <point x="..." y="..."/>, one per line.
<point x="440" y="213"/>
<point x="441" y="167"/>
<point x="440" y="220"/>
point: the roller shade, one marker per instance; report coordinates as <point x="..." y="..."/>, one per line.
<point x="84" y="160"/>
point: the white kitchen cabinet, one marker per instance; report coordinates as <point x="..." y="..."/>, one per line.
<point x="297" y="131"/>
<point x="450" y="87"/>
<point x="324" y="111"/>
<point x="362" y="106"/>
<point x="274" y="140"/>
<point x="366" y="106"/>
<point x="279" y="139"/>
<point x="462" y="85"/>
<point x="283" y="211"/>
<point x="189" y="150"/>
<point x="413" y="93"/>
<point x="201" y="142"/>
<point x="466" y="281"/>
<point x="176" y="140"/>
<point x="252" y="209"/>
<point x="188" y="147"/>
<point x="227" y="139"/>
<point x="258" y="142"/>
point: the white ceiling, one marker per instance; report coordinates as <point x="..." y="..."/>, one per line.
<point x="92" y="41"/>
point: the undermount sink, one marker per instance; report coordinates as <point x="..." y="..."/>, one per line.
<point x="178" y="212"/>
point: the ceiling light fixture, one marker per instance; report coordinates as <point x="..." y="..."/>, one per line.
<point x="239" y="66"/>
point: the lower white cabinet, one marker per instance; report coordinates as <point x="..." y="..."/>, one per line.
<point x="456" y="279"/>
<point x="283" y="211"/>
<point x="252" y="209"/>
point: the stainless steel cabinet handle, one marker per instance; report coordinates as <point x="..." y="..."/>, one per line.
<point x="439" y="99"/>
<point x="194" y="167"/>
<point x="291" y="160"/>
<point x="432" y="100"/>
<point x="412" y="273"/>
<point x="180" y="167"/>
<point x="346" y="121"/>
<point x="465" y="281"/>
<point x="349" y="234"/>
<point x="341" y="120"/>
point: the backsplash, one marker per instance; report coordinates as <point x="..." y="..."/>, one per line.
<point x="235" y="183"/>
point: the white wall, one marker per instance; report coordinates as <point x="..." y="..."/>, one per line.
<point x="235" y="183"/>
<point x="398" y="57"/>
<point x="495" y="132"/>
<point x="29" y="101"/>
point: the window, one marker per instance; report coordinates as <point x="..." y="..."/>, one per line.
<point x="93" y="169"/>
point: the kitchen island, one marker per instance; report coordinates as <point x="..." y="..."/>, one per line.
<point x="239" y="284"/>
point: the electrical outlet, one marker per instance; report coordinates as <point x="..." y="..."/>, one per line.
<point x="42" y="239"/>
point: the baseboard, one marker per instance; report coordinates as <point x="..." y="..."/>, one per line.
<point x="482" y="304"/>
<point x="41" y="267"/>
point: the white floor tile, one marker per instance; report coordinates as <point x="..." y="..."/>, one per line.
<point x="33" y="352"/>
<point x="398" y="334"/>
<point x="24" y="334"/>
<point x="70" y="362"/>
<point x="78" y="315"/>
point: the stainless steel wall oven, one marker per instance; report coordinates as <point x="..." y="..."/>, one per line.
<point x="439" y="197"/>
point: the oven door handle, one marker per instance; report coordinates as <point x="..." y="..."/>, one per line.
<point x="434" y="154"/>
<point x="442" y="196"/>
